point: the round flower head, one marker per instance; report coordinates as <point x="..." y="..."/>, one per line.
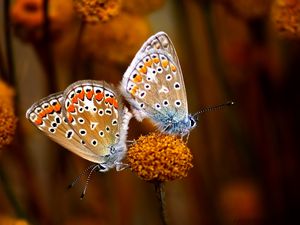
<point x="160" y="157"/>
<point x="8" y="119"/>
<point x="97" y="10"/>
<point x="285" y="15"/>
<point x="27" y="18"/>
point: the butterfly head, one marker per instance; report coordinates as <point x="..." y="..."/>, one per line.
<point x="182" y="127"/>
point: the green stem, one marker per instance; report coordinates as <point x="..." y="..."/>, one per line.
<point x="160" y="194"/>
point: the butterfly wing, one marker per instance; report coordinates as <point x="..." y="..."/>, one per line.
<point x="153" y="83"/>
<point x="47" y="116"/>
<point x="95" y="112"/>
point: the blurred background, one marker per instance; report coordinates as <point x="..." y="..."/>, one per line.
<point x="246" y="157"/>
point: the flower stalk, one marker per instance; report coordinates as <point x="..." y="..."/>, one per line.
<point x="160" y="194"/>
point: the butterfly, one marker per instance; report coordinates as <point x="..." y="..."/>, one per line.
<point x="153" y="84"/>
<point x="89" y="119"/>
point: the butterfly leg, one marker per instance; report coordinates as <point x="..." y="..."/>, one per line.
<point x="185" y="138"/>
<point x="121" y="166"/>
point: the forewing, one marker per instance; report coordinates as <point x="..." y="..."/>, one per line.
<point x="153" y="83"/>
<point x="94" y="111"/>
<point x="47" y="116"/>
<point x="161" y="41"/>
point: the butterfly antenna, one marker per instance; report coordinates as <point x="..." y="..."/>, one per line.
<point x="87" y="180"/>
<point x="213" y="108"/>
<point x="79" y="176"/>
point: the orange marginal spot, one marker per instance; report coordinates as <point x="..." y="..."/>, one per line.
<point x="90" y="94"/>
<point x="70" y="118"/>
<point x="38" y="121"/>
<point x="57" y="108"/>
<point x="50" y="109"/>
<point x="99" y="96"/>
<point x="156" y="60"/>
<point x="143" y="70"/>
<point x="71" y="108"/>
<point x="115" y="103"/>
<point x="81" y="95"/>
<point x="134" y="90"/>
<point x="75" y="99"/>
<point x="42" y="114"/>
<point x="109" y="100"/>
<point x="138" y="78"/>
<point x="173" y="68"/>
<point x="149" y="63"/>
<point x="164" y="63"/>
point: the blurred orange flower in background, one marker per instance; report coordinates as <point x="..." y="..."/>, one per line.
<point x="95" y="10"/>
<point x="27" y="17"/>
<point x="8" y="120"/>
<point x="6" y="220"/>
<point x="286" y="18"/>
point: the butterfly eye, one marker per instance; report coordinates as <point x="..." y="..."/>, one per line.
<point x="192" y="122"/>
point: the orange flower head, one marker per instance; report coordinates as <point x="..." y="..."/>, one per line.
<point x="8" y="119"/>
<point x="160" y="157"/>
<point x="97" y="10"/>
<point x="285" y="16"/>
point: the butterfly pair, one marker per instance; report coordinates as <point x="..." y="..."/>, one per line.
<point x="89" y="119"/>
